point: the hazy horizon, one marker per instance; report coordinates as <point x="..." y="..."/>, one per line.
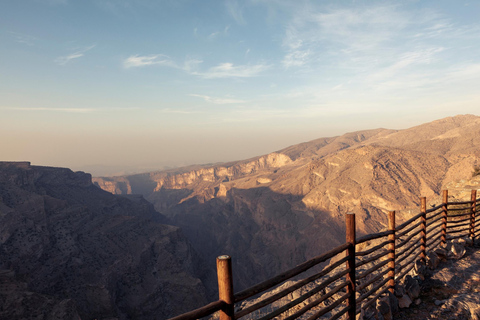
<point x="123" y="85"/>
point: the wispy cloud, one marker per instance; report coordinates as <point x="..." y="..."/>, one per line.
<point x="323" y="32"/>
<point x="216" y="100"/>
<point x="296" y="58"/>
<point x="63" y="60"/>
<point x="412" y="58"/>
<point x="235" y="10"/>
<point x="229" y="70"/>
<point x="68" y="110"/>
<point x="191" y="66"/>
<point x="150" y="60"/>
<point x="24" y="38"/>
<point x="213" y="35"/>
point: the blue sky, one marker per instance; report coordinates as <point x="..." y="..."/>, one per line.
<point x="141" y="84"/>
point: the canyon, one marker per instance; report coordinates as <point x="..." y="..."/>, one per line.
<point x="274" y="211"/>
<point x="69" y="250"/>
<point x="144" y="245"/>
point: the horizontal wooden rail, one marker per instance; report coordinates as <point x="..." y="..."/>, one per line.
<point x="459" y="225"/>
<point x="434" y="244"/>
<point x="458" y="221"/>
<point x="290" y="289"/>
<point x="407" y="240"/>
<point x="406" y="223"/>
<point x="405" y="271"/>
<point x="202" y="312"/>
<point x="321" y="312"/>
<point x="433" y="229"/>
<point x="372" y="280"/>
<point x="404" y="232"/>
<point x="374" y="268"/>
<point x="459" y="203"/>
<point x="268" y="284"/>
<point x="340" y="313"/>
<point x="459" y="209"/>
<point x="305" y="296"/>
<point x="429" y="243"/>
<point x="401" y="267"/>
<point x="373" y="249"/>
<point x="373" y="258"/>
<point x="433" y="221"/>
<point x="371" y="291"/>
<point x="368" y="303"/>
<point x="373" y="236"/>
<point x="457" y="231"/>
<point x="408" y="250"/>
<point x="440" y="206"/>
<point x="455" y="237"/>
<point x="316" y="302"/>
<point x="440" y="223"/>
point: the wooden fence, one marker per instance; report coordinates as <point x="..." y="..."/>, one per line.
<point x="357" y="279"/>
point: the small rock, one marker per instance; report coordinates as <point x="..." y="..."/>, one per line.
<point x="418" y="301"/>
<point x="458" y="251"/>
<point x="420" y="269"/>
<point x="399" y="290"/>
<point x="438" y="302"/>
<point x="441" y="253"/>
<point x="412" y="287"/>
<point x="393" y="303"/>
<point x="432" y="260"/>
<point x="383" y="307"/>
<point x="469" y="242"/>
<point x="404" y="301"/>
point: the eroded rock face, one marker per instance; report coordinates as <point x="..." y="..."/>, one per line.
<point x="19" y="303"/>
<point x="274" y="211"/>
<point x="79" y="248"/>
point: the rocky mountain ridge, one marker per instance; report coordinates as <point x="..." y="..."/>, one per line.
<point x="70" y="250"/>
<point x="274" y="211"/>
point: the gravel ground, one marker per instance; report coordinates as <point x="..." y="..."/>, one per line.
<point x="451" y="292"/>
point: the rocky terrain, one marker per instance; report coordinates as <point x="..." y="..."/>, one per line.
<point x="274" y="211"/>
<point x="450" y="292"/>
<point x="69" y="250"/>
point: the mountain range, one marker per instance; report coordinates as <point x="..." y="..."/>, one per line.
<point x="273" y="211"/>
<point x="144" y="247"/>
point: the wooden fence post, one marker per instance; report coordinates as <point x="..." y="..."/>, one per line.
<point x="423" y="233"/>
<point x="225" y="286"/>
<point x="350" y="264"/>
<point x="472" y="215"/>
<point x="444" y="219"/>
<point x="391" y="249"/>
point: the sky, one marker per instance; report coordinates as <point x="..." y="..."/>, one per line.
<point x="122" y="86"/>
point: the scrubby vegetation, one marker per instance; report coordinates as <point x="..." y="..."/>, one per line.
<point x="476" y="171"/>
